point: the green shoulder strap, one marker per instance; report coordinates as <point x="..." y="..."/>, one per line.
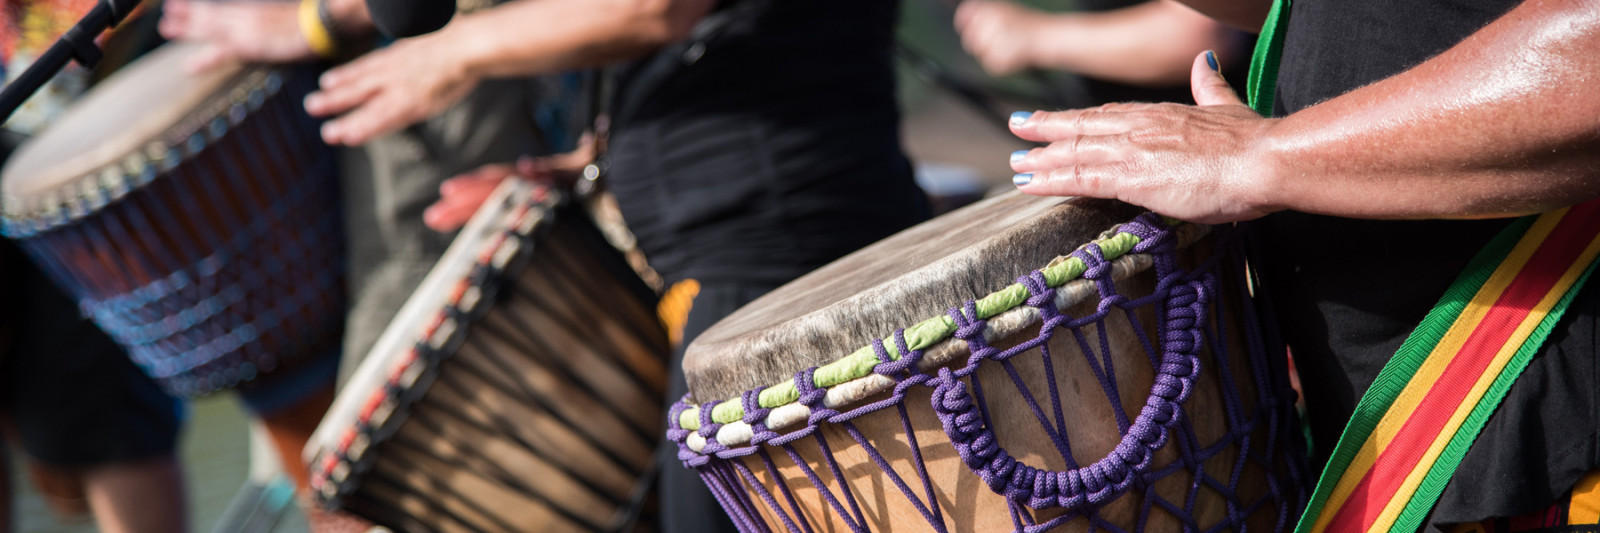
<point x="1264" y="62"/>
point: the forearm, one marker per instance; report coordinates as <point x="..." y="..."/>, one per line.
<point x="1244" y="15"/>
<point x="1505" y="123"/>
<point x="1150" y="43"/>
<point x="538" y="36"/>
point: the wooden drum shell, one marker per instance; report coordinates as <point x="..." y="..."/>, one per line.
<point x="213" y="250"/>
<point x="1235" y="422"/>
<point x="541" y="412"/>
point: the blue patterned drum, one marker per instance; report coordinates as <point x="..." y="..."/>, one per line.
<point x="193" y="217"/>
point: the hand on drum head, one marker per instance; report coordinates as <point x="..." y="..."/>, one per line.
<point x="392" y="88"/>
<point x="1197" y="163"/>
<point x="236" y="31"/>
<point x="460" y="197"/>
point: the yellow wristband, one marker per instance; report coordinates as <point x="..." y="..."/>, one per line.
<point x="316" y="34"/>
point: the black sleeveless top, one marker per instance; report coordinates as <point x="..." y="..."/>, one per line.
<point x="767" y="144"/>
<point x="1349" y="291"/>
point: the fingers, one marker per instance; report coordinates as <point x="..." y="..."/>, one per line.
<point x="987" y="36"/>
<point x="1076" y="180"/>
<point x="461" y="196"/>
<point x="174" y="19"/>
<point x="1207" y="83"/>
<point x="493" y="172"/>
<point x="1082" y="150"/>
<point x="370" y="119"/>
<point x="340" y="93"/>
<point x="1052" y="126"/>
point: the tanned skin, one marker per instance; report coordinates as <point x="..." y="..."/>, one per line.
<point x="1502" y="124"/>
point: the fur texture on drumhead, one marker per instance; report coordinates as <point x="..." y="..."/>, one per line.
<point x="895" y="283"/>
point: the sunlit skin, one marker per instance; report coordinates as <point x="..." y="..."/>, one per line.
<point x="1504" y="123"/>
<point x="460" y="196"/>
<point x="251" y="31"/>
<point x="1115" y="45"/>
<point x="419" y="77"/>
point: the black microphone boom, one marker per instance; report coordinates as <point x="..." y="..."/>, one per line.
<point x="77" y="43"/>
<point x="410" y="18"/>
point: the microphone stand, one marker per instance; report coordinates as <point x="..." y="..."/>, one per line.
<point x="77" y="43"/>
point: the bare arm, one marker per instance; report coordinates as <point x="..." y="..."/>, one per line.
<point x="1505" y="123"/>
<point x="253" y="31"/>
<point x="419" y="77"/>
<point x="1244" y="15"/>
<point x="1149" y="43"/>
<point x="571" y="33"/>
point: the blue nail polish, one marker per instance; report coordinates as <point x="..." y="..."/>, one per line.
<point x="1019" y="117"/>
<point x="1211" y="59"/>
<point x="1016" y="157"/>
<point x="1021" y="179"/>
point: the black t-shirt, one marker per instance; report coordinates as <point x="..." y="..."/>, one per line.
<point x="1349" y="291"/>
<point x="768" y="144"/>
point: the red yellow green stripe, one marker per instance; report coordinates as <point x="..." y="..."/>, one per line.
<point x="1414" y="424"/>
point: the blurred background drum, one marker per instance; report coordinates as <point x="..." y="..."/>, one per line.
<point x="1122" y="386"/>
<point x="518" y="389"/>
<point x="194" y="218"/>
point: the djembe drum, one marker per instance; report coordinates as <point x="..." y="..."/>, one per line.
<point x="194" y="218"/>
<point x="1119" y="387"/>
<point x="518" y="389"/>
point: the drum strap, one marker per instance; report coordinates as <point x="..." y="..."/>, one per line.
<point x="1413" y="426"/>
<point x="1262" y="83"/>
<point x="1430" y="401"/>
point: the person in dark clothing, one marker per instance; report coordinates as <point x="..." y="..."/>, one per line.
<point x="750" y="142"/>
<point x="1405" y="133"/>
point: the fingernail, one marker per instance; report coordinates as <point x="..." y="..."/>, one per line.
<point x="1211" y="60"/>
<point x="1021" y="179"/>
<point x="1016" y="157"/>
<point x="1020" y="117"/>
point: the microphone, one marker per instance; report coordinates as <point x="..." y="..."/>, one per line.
<point x="409" y="18"/>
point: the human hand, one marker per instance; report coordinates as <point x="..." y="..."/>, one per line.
<point x="1001" y="35"/>
<point x="391" y="88"/>
<point x="236" y="31"/>
<point x="460" y="197"/>
<point x="1196" y="163"/>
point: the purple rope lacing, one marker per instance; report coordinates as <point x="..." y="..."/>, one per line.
<point x="1182" y="300"/>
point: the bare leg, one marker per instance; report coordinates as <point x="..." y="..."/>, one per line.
<point x="138" y="496"/>
<point x="290" y="429"/>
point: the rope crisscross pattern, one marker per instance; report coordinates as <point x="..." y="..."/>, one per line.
<point x="1183" y="301"/>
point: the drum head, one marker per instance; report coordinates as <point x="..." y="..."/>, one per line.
<point x="899" y="281"/>
<point x="144" y="103"/>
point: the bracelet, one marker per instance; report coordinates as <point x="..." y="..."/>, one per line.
<point x="315" y="27"/>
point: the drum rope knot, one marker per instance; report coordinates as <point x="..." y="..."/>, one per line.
<point x="1109" y="477"/>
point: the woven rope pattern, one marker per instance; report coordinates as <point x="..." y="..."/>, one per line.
<point x="1183" y="300"/>
<point x="221" y="268"/>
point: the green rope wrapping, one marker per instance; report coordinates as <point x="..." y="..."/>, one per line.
<point x="925" y="334"/>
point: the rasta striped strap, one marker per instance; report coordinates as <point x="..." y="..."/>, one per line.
<point x="1413" y="426"/>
